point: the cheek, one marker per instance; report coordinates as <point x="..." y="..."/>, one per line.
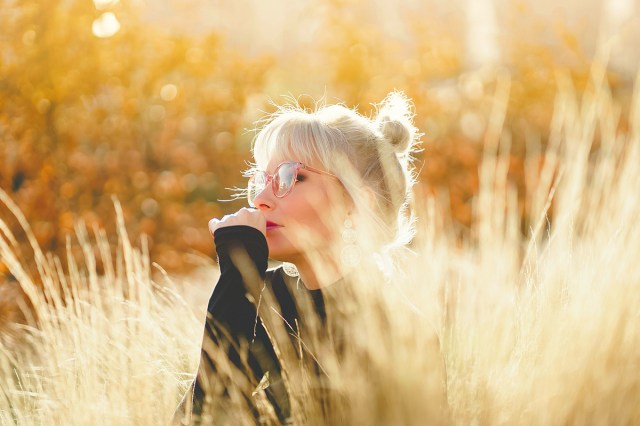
<point x="312" y="215"/>
<point x="319" y="222"/>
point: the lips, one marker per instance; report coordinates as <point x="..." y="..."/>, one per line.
<point x="272" y="225"/>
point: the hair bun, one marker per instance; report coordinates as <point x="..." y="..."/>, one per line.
<point x="397" y="134"/>
<point x="395" y="116"/>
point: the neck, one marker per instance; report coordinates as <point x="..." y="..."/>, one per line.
<point x="315" y="277"/>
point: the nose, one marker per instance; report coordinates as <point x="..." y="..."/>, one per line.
<point x="265" y="200"/>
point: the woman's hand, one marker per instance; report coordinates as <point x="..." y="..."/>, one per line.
<point x="245" y="216"/>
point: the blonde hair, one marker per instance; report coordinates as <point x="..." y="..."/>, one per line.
<point x="374" y="153"/>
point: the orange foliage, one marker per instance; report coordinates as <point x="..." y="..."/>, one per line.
<point x="158" y="119"/>
<point x="152" y="118"/>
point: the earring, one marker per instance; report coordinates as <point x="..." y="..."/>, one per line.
<point x="350" y="254"/>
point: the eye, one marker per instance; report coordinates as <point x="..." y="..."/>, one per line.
<point x="300" y="178"/>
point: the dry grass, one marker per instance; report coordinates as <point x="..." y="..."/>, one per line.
<point x="110" y="349"/>
<point x="541" y="329"/>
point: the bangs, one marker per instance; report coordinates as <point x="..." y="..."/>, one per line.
<point x="297" y="136"/>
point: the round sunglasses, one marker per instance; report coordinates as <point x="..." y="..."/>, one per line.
<point x="282" y="180"/>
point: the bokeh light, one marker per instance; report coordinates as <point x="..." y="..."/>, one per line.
<point x="168" y="92"/>
<point x="106" y="25"/>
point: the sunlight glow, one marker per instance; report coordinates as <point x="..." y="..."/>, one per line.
<point x="619" y="10"/>
<point x="482" y="33"/>
<point x="106" y="25"/>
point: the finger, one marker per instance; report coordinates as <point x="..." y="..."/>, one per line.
<point x="213" y="223"/>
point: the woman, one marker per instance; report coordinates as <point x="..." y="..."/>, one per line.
<point x="320" y="179"/>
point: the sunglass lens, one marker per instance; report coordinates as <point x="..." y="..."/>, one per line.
<point x="284" y="178"/>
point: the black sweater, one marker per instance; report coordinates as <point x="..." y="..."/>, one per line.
<point x="232" y="320"/>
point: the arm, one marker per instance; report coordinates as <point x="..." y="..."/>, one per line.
<point x="246" y="247"/>
<point x="231" y="316"/>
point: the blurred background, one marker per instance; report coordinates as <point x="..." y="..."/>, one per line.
<point x="154" y="102"/>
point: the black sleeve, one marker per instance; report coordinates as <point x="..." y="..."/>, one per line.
<point x="231" y="316"/>
<point x="242" y="246"/>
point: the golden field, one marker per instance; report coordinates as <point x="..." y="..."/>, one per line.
<point x="524" y="266"/>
